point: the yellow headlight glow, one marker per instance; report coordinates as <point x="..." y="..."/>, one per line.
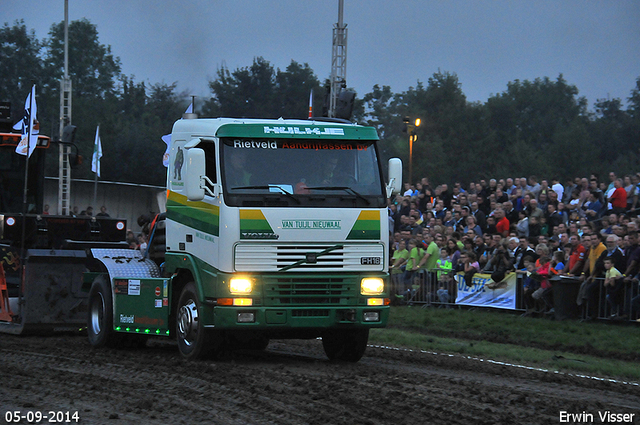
<point x="240" y="285"/>
<point x="372" y="286"/>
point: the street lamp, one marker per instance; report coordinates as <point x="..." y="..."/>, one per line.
<point x="410" y="128"/>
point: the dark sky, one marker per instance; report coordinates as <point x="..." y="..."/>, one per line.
<point x="594" y="44"/>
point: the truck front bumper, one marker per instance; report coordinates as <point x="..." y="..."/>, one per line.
<point x="318" y="317"/>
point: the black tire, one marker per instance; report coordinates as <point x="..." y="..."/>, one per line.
<point x="345" y="345"/>
<point x="194" y="340"/>
<point x="100" y="318"/>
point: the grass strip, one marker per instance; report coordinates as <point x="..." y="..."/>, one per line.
<point x="599" y="349"/>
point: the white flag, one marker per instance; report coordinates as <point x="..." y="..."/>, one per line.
<point x="28" y="125"/>
<point x="167" y="139"/>
<point x="97" y="153"/>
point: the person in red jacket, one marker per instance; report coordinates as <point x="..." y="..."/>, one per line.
<point x="618" y="198"/>
<point x="502" y="223"/>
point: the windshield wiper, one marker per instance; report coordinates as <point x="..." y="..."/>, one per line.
<point x="274" y="186"/>
<point x="311" y="257"/>
<point x="345" y="188"/>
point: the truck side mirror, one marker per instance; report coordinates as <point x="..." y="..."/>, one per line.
<point x="195" y="170"/>
<point x="395" y="177"/>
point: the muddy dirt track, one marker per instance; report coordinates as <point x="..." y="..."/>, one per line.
<point x="289" y="383"/>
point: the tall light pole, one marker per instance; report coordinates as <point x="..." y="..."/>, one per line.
<point x="64" y="168"/>
<point x="410" y="128"/>
<point x="338" y="60"/>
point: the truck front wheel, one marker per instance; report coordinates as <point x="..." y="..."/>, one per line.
<point x="100" y="320"/>
<point x="346" y="345"/>
<point x="194" y="340"/>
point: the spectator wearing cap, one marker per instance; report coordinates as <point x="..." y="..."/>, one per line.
<point x="523" y="251"/>
<point x="464" y="213"/>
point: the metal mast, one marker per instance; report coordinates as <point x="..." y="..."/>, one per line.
<point x="64" y="169"/>
<point x="338" y="60"/>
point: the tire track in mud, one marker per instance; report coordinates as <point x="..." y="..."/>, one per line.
<point x="132" y="387"/>
<point x="289" y="383"/>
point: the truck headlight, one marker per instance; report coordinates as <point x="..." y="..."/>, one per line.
<point x="240" y="285"/>
<point x="372" y="286"/>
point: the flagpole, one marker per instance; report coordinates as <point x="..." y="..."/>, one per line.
<point x="95" y="193"/>
<point x="26" y="167"/>
<point x="95" y="183"/>
<point x="23" y="238"/>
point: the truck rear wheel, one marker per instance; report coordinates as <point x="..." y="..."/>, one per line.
<point x="345" y="345"/>
<point x="100" y="319"/>
<point x="194" y="340"/>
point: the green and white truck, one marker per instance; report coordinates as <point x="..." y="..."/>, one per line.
<point x="273" y="229"/>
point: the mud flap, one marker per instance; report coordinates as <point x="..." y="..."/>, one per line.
<point x="141" y="306"/>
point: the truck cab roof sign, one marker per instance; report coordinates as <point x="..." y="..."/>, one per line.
<point x="324" y="131"/>
<point x="350" y="132"/>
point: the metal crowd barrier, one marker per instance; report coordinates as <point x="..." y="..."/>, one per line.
<point x="424" y="288"/>
<point x="596" y="305"/>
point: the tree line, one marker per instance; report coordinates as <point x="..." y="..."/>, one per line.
<point x="538" y="127"/>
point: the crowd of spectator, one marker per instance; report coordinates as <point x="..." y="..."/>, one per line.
<point x="585" y="228"/>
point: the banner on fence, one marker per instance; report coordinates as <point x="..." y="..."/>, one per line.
<point x="485" y="292"/>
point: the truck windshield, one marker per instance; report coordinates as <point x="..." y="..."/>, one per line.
<point x="301" y="173"/>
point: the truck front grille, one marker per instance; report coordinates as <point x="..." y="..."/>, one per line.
<point x="284" y="291"/>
